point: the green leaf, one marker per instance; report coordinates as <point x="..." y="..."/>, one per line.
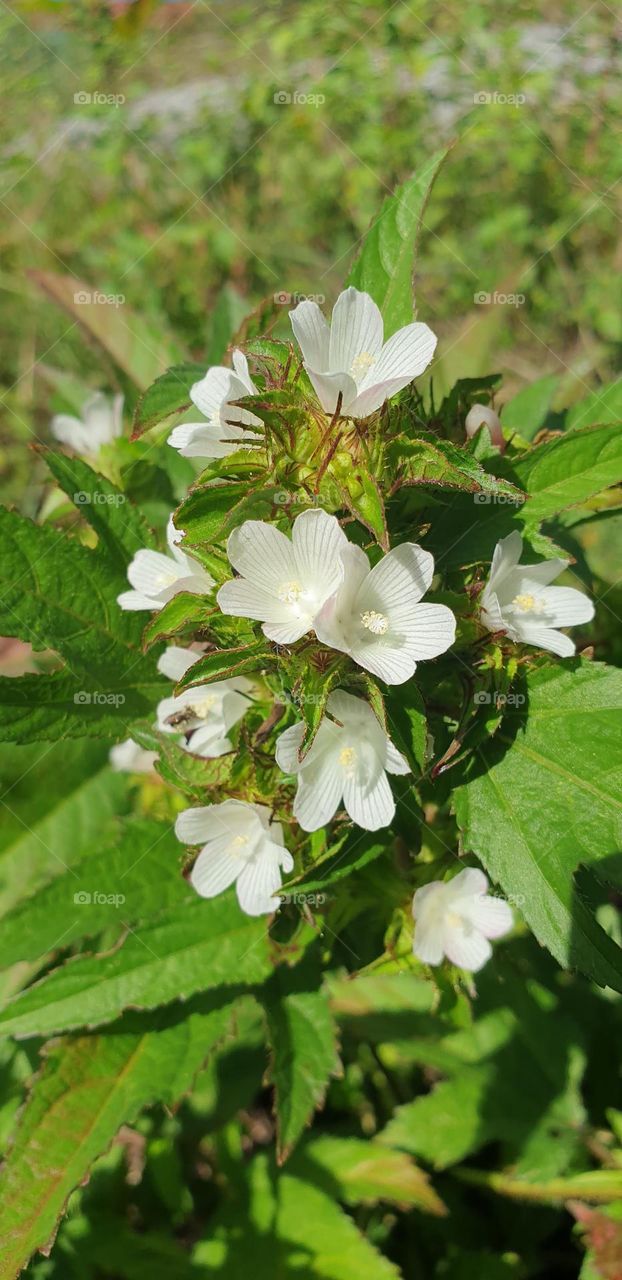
<point x="407" y="725"/>
<point x="526" y="413"/>
<point x="604" y="405"/>
<point x="119" y="525"/>
<point x="385" y="266"/>
<point x="134" y="877"/>
<point x="141" y="353"/>
<point x="286" y="1220"/>
<point x="439" y="463"/>
<point x="46" y="793"/>
<point x="340" y="860"/>
<point x="184" y="613"/>
<point x="88" y="1087"/>
<point x="45" y="707"/>
<point x="362" y="496"/>
<point x="211" y="512"/>
<point x="364" y="1173"/>
<point x="194" y="775"/>
<point x="168" y="395"/>
<point x="228" y="663"/>
<point x="544" y="798"/>
<point x="303" y="1037"/>
<point x="196" y="947"/>
<point x="567" y="471"/>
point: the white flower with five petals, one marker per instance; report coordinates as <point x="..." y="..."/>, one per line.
<point x="156" y="578"/>
<point x="101" y="423"/>
<point x="518" y="600"/>
<point x="348" y="761"/>
<point x="284" y="582"/>
<point x="457" y="918"/>
<point x="376" y="616"/>
<point x="350" y="356"/>
<point x="241" y="845"/>
<point x="223" y="431"/>
<point x="205" y="714"/>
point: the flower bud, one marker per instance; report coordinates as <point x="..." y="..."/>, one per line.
<point x="481" y="414"/>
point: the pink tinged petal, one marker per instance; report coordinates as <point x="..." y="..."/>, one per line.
<point x="369" y="802"/>
<point x="312" y="334"/>
<point x="320" y="788"/>
<point x="465" y="946"/>
<point x="263" y="554"/>
<point x="318" y="540"/>
<point x="482" y="415"/>
<point x="356" y="329"/>
<point x="259" y="880"/>
<point x="287" y="747"/>
<point x="327" y="387"/>
<point x="566" y="606"/>
<point x="546" y="638"/>
<point x="491" y="916"/>
<point x="212" y="390"/>
<point x="175" y="661"/>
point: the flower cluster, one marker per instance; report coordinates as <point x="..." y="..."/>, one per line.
<point x="316" y="583"/>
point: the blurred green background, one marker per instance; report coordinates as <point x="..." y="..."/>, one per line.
<point x="230" y="151"/>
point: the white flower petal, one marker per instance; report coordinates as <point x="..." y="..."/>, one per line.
<point x="259" y="880"/>
<point x="545" y="572"/>
<point x="470" y="882"/>
<point x="567" y="606"/>
<point x="287" y="633"/>
<point x="356" y="330"/>
<point x="194" y="826"/>
<point x="72" y="432"/>
<point x="398" y="581"/>
<point x="327" y="387"/>
<point x="320" y="788"/>
<point x="312" y="334"/>
<point x="394" y="761"/>
<point x="318" y="540"/>
<point x="240" y="365"/>
<point x="175" y="661"/>
<point x="506" y="556"/>
<point x="152" y="573"/>
<point x="466" y="947"/>
<point x="392" y="664"/>
<point x="287" y="747"/>
<point x="207" y="741"/>
<point x="128" y="757"/>
<point x="404" y="355"/>
<point x="547" y="638"/>
<point x="333" y="623"/>
<point x="215" y="868"/>
<point x="491" y="916"/>
<point x="370" y="802"/>
<point x="243" y="599"/>
<point x="135" y="600"/>
<point x="431" y="632"/>
<point x="264" y="555"/>
<point x="212" y="390"/>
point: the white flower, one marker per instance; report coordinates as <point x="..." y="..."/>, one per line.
<point x="482" y="414"/>
<point x="128" y="757"/>
<point x="223" y="432"/>
<point x="456" y="919"/>
<point x="284" y="583"/>
<point x="347" y="761"/>
<point x="240" y="844"/>
<point x="101" y="422"/>
<point x="517" y="599"/>
<point x="350" y="356"/>
<point x="156" y="578"/>
<point x="375" y="615"/>
<point x="204" y="714"/>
